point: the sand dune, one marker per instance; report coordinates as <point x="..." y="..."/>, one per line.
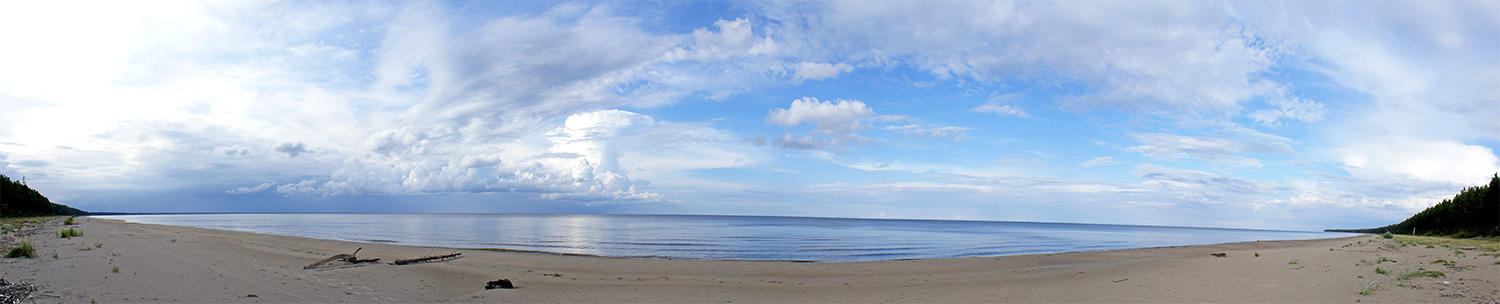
<point x="176" y="264"/>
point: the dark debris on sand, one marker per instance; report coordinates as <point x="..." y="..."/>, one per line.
<point x="12" y="293"/>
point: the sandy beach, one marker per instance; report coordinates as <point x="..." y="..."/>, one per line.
<point x="114" y="261"/>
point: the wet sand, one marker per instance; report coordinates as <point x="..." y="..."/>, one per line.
<point x="158" y="263"/>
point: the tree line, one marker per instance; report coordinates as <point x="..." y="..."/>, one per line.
<point x="1473" y="212"/>
<point x="19" y="200"/>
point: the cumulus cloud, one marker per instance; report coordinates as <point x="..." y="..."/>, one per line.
<point x="290" y="149"/>
<point x="836" y="123"/>
<point x="1431" y="160"/>
<point x="590" y="156"/>
<point x="828" y="118"/>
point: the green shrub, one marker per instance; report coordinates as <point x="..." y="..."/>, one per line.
<point x="22" y="250"/>
<point x="1381" y="270"/>
<point x="70" y="222"/>
<point x="1387" y="235"/>
<point x="67" y="233"/>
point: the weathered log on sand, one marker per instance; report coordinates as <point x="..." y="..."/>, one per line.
<point x="430" y="258"/>
<point x="346" y="257"/>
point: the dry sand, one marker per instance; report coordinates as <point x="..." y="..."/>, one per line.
<point x="159" y="263"/>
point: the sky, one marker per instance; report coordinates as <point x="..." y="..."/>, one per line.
<point x="1298" y="115"/>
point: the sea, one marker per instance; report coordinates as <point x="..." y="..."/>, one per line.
<point x="708" y="237"/>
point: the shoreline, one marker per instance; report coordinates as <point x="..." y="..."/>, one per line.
<point x="863" y="240"/>
<point x="160" y="263"/>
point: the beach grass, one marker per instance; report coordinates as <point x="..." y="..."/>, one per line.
<point x="22" y="250"/>
<point x="1408" y="274"/>
<point x="1369" y="287"/>
<point x="70" y="221"/>
<point x="1490" y="244"/>
<point x="10" y="224"/>
<point x="1380" y="270"/>
<point x="68" y="233"/>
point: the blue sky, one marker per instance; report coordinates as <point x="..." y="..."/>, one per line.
<point x="1258" y="114"/>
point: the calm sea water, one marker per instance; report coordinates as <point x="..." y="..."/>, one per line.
<point x="721" y="237"/>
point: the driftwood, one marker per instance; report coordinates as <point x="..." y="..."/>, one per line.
<point x="345" y="257"/>
<point x="426" y="259"/>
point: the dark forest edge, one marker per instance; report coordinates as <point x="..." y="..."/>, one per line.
<point x="19" y="200"/>
<point x="1472" y="213"/>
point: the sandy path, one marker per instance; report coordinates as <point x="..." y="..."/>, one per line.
<point x="178" y="264"/>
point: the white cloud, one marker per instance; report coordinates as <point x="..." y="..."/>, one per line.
<point x="1431" y="160"/>
<point x="1173" y="178"/>
<point x="591" y="156"/>
<point x="234" y="150"/>
<point x="1102" y="161"/>
<point x="1226" y="149"/>
<point x="1207" y="62"/>
<point x="829" y="118"/>
<point x="819" y="71"/>
<point x="916" y="130"/>
<point x="249" y="190"/>
<point x="1293" y="108"/>
<point x="1002" y="110"/>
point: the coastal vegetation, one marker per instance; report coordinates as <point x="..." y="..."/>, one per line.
<point x="68" y="233"/>
<point x="23" y="250"/>
<point x="19" y="200"/>
<point x="1473" y="212"/>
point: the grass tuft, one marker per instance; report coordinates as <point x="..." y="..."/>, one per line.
<point x="1369" y="287"/>
<point x="70" y="222"/>
<point x="1381" y="270"/>
<point x="67" y="233"/>
<point x="1292" y="262"/>
<point x="23" y="250"/>
<point x="1388" y="235"/>
<point x="115" y="270"/>
<point x="1408" y="274"/>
